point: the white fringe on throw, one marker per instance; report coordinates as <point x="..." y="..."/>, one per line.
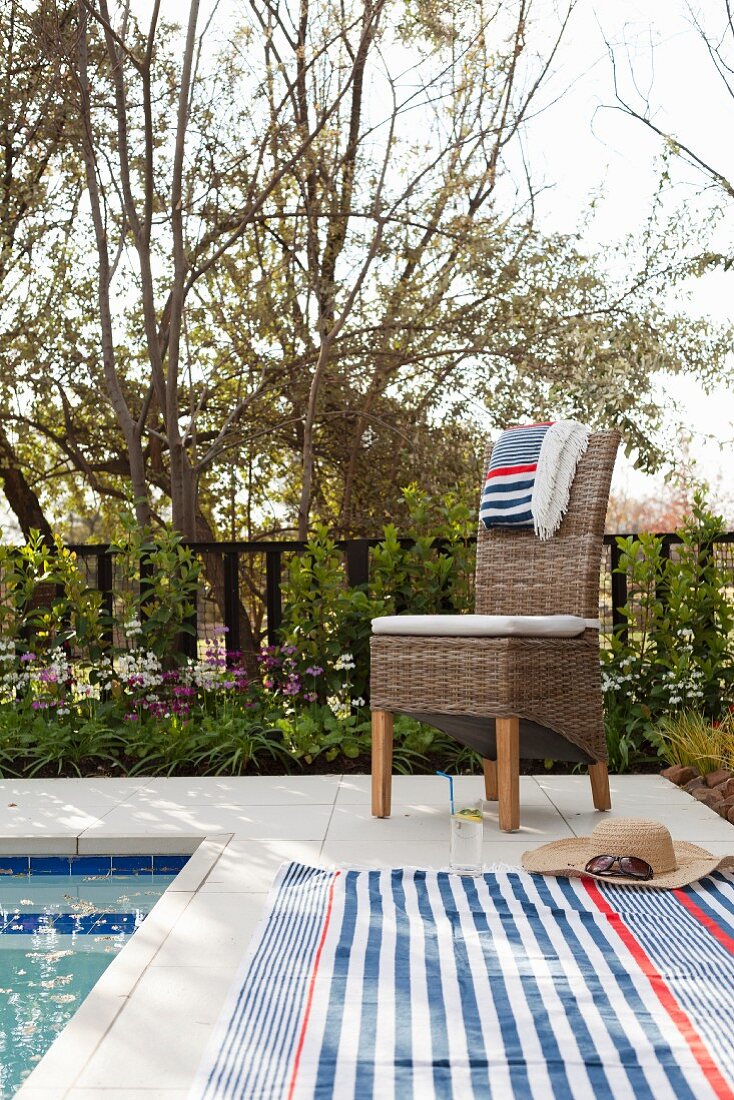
<point x="564" y="444"/>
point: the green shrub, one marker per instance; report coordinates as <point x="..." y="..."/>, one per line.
<point x="678" y="651"/>
<point x="157" y="594"/>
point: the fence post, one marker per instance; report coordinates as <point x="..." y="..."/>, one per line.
<point x="232" y="602"/>
<point x="619" y="594"/>
<point x="273" y="596"/>
<point x="357" y="553"/>
<point x="661" y="588"/>
<point x="104" y="584"/>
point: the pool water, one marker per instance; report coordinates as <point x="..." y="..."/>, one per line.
<point x="62" y="921"/>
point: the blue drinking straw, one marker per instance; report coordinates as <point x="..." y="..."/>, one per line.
<point x="451" y="787"/>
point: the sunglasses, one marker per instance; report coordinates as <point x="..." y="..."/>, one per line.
<point x="629" y="866"/>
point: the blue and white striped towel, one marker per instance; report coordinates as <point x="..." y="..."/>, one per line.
<point x="508" y="489"/>
<point x="530" y="475"/>
<point x="385" y="985"/>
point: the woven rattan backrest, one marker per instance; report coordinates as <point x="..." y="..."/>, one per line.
<point x="518" y="574"/>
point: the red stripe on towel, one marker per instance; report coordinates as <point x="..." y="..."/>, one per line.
<point x="311" y="984"/>
<point x="680" y="1018"/>
<point x="503" y="471"/>
<point x="704" y="919"/>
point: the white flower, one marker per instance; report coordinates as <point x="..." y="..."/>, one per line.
<point x="344" y="662"/>
<point x="358" y="702"/>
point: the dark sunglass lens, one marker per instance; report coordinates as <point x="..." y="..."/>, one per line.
<point x="599" y="864"/>
<point x="635" y="868"/>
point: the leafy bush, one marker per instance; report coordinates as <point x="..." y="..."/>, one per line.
<point x="328" y="624"/>
<point x="158" y="600"/>
<point x="678" y="653"/>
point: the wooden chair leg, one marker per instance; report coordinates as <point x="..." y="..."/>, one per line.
<point x="490" y="779"/>
<point x="599" y="777"/>
<point x="508" y="773"/>
<point x="382" y="733"/>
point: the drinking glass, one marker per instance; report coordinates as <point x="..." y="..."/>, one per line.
<point x="467" y="834"/>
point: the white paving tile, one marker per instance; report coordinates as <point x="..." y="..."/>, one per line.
<point x="249" y="866"/>
<point x="49" y="844"/>
<point x="77" y="1042"/>
<point x="213" y="926"/>
<point x="100" y="843"/>
<point x="200" y="864"/>
<point x="80" y="792"/>
<point x="142" y="1093"/>
<point x="156" y="1042"/>
<point x="306" y="822"/>
<point x="155" y="1093"/>
<point x="432" y="822"/>
<point x="416" y="853"/>
<point x="30" y="1093"/>
<point x="698" y="827"/>
<point x="246" y="790"/>
<point x="121" y="976"/>
<point x="38" y="821"/>
<point x="356" y="789"/>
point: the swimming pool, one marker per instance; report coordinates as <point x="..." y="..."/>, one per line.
<point x="62" y="921"/>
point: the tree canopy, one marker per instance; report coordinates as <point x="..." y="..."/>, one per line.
<point x="264" y="273"/>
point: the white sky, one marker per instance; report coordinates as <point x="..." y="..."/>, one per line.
<point x="584" y="147"/>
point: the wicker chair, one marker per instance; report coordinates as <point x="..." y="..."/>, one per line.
<point x="514" y="696"/>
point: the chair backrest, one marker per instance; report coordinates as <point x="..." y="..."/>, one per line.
<point x="518" y="574"/>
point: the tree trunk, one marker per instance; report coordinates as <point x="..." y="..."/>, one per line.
<point x="20" y="496"/>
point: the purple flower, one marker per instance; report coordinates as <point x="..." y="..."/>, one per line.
<point x="27" y="657"/>
<point x="229" y="684"/>
<point x="36" y="705"/>
<point x="131" y="717"/>
<point x="310" y="696"/>
<point x="220" y="630"/>
<point x="314" y="670"/>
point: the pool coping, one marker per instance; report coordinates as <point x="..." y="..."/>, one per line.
<point x="60" y="1066"/>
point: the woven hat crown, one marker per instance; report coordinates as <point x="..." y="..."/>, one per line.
<point x="632" y="836"/>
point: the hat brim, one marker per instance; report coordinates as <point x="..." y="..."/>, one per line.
<point x="568" y="858"/>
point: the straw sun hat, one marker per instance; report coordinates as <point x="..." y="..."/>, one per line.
<point x="674" y="863"/>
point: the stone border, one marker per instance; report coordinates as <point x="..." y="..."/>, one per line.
<point x="715" y="789"/>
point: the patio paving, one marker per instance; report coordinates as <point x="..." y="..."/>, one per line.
<point x="143" y="1030"/>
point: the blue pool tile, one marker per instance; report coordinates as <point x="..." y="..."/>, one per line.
<point x="91" y="865"/>
<point x="169" y="865"/>
<point x="67" y="923"/>
<point x="131" y="865"/>
<point x="26" y="923"/>
<point x="14" y="865"/>
<point x="50" y="865"/>
<point x="115" y="923"/>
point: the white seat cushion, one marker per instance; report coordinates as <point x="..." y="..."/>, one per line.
<point x="484" y="626"/>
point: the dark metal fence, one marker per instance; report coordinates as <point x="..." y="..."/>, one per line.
<point x="252" y="575"/>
